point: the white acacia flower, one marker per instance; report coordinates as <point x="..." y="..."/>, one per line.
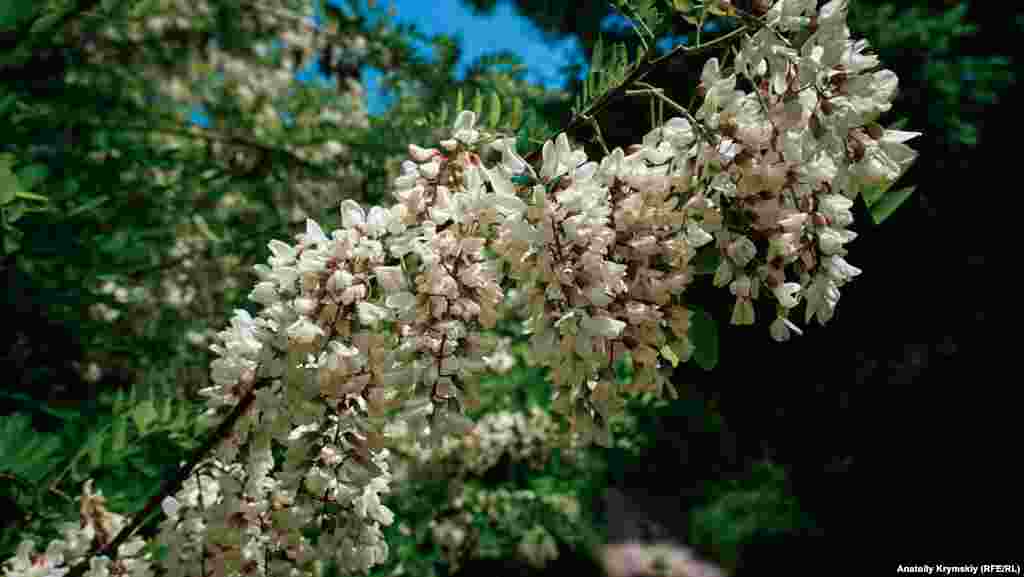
<point x="512" y="162"/>
<point x="371" y="314"/>
<point x="831" y="240"/>
<point x="422" y="154"/>
<point x="504" y="193"/>
<point x="283" y="253"/>
<point x="391" y="278"/>
<point x="304" y="330"/>
<point x="401" y="301"/>
<point x="464" y="130"/>
<point x="742" y="251"/>
<point x="787" y="294"/>
<point x="781" y="327"/>
<point x="559" y="158"/>
<point x="696" y="236"/>
<point x="264" y="293"/>
<point x="837" y="208"/>
<point x="839" y="270"/>
<point x="379" y="221"/>
<point x="314" y="234"/>
<point x="602" y="326"/>
<point x="821" y="298"/>
<point x="170" y="506"/>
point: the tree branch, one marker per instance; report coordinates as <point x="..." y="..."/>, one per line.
<point x="643" y="67"/>
<point x="172" y="486"/>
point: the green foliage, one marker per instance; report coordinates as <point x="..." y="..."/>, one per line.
<point x="738" y="510"/>
<point x="125" y="177"/>
<point x="606" y="72"/>
<point x="882" y="202"/>
<point x="126" y="443"/>
<point x="944" y="83"/>
<point x="645" y="17"/>
<point x="15" y="12"/>
<point x="15" y="200"/>
<point x="704" y="337"/>
<point x="490" y="117"/>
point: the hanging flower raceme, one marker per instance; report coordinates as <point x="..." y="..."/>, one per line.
<point x="393" y="310"/>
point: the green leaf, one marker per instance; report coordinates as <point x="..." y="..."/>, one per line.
<point x="668" y="353"/>
<point x="443" y="117"/>
<point x="478" y="104"/>
<point x="6" y="104"/>
<point x="707" y="260"/>
<point x="871" y="194"/>
<point x="883" y="208"/>
<point x="92" y="204"/>
<point x="120" y="433"/>
<point x="144" y="414"/>
<point x="494" y="110"/>
<point x="95" y="452"/>
<point x="517" y="113"/>
<point x="11" y="241"/>
<point x="204" y="228"/>
<point x="704" y="336"/>
<point x="15" y="211"/>
<point x="523" y="138"/>
<point x="32" y="175"/>
<point x="9" y="185"/>
<point x="33" y="196"/>
<point x="14" y="12"/>
<point x="166" y="410"/>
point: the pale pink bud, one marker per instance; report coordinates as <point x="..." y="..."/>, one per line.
<point x="422" y="154"/>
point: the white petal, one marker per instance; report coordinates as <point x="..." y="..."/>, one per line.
<point x="352" y="214"/>
<point x="512" y="162"/>
<point x="510" y="204"/>
<point x="501" y="183"/>
<point x="401" y="301"/>
<point x="603" y="326"/>
<point x="314" y="234"/>
<point x="378" y="221"/>
<point x="371" y="314"/>
<point x="422" y="154"/>
<point x="899" y="135"/>
<point x="464" y="130"/>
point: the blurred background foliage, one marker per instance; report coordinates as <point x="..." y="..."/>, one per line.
<point x="115" y="203"/>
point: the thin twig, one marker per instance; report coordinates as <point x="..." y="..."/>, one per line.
<point x="172" y="486"/>
<point x="660" y="94"/>
<point x="646" y="64"/>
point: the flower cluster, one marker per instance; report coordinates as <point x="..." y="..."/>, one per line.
<point x="522" y="437"/>
<point x="392" y="310"/>
<point x="248" y="87"/>
<point x="510" y="514"/>
<point x="96" y="528"/>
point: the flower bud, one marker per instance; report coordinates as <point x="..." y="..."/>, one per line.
<point x="422" y="154"/>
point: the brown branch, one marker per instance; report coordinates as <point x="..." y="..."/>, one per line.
<point x="647" y="64"/>
<point x="172" y="486"/>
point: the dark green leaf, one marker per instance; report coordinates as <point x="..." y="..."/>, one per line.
<point x="9" y="185"/>
<point x="32" y="175"/>
<point x="495" y="110"/>
<point x="883" y="208"/>
<point x="871" y="194"/>
<point x="11" y="243"/>
<point x="15" y="12"/>
<point x="94" y="203"/>
<point x="707" y="260"/>
<point x="704" y="336"/>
